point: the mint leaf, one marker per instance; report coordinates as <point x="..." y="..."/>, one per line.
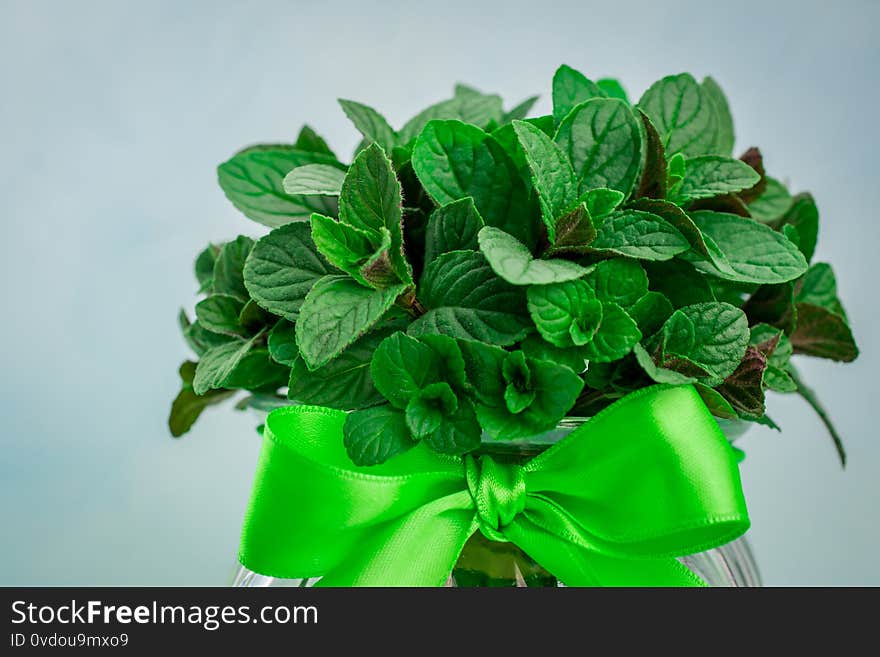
<point x="823" y="333"/>
<point x="552" y="175"/>
<point x="513" y="261"/>
<point x="204" y="268"/>
<point x="256" y="371"/>
<point x="774" y="305"/>
<point x="454" y="160"/>
<point x="336" y="312"/>
<point x="650" y="312"/>
<point x="520" y="111"/>
<point x="350" y="248"/>
<point x="566" y="314"/>
<point x="197" y="337"/>
<point x="188" y="406"/>
<point x="344" y="383"/>
<point x="603" y="142"/>
<point x="313" y="179"/>
<point x="465" y="299"/>
<point x="639" y="234"/>
<point x="309" y="140"/>
<point x="536" y="348"/>
<point x="370" y="124"/>
<point x="652" y="183"/>
<point x="282" y="343"/>
<point x="453" y="227"/>
<point x="474" y="108"/>
<point x="744" y="388"/>
<point x="219" y="313"/>
<point x="253" y="181"/>
<point x="217" y="364"/>
<point x="570" y="88"/>
<point x="228" y="277"/>
<point x="712" y="175"/>
<point x="819" y="287"/>
<point x="616" y="336"/>
<point x="428" y="407"/>
<point x="457" y="434"/>
<point x="282" y="268"/>
<point x="719" y="340"/>
<point x="680" y="283"/>
<point x="717" y="405"/>
<point x="573" y="232"/>
<point x="684" y="114"/>
<point x="657" y="373"/>
<point x="252" y="318"/>
<point x="755" y="160"/>
<point x="776" y="375"/>
<point x="370" y="200"/>
<point x="612" y="88"/>
<point x="402" y="366"/>
<point x="803" y="216"/>
<point x="602" y="201"/>
<point x="724" y="138"/>
<point x="677" y="218"/>
<point x="753" y="252"/>
<point x="772" y="204"/>
<point x="619" y="281"/>
<point x="374" y="435"/>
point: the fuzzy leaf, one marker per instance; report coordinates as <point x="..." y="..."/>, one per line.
<point x="219" y="313"/>
<point x="282" y="343"/>
<point x="402" y="366"/>
<point x="513" y="261"/>
<point x="559" y="308"/>
<point x="744" y="389"/>
<point x="619" y="281"/>
<point x="313" y="179"/>
<point x="823" y="333"/>
<point x="217" y="364"/>
<point x="453" y="227"/>
<point x="639" y="234"/>
<point x="724" y="138"/>
<point x="374" y="435"/>
<point x="712" y="175"/>
<point x="684" y="114"/>
<point x="228" y="268"/>
<point x="570" y="88"/>
<point x="370" y="124"/>
<point x="772" y="204"/>
<point x="616" y="336"/>
<point x="803" y="216"/>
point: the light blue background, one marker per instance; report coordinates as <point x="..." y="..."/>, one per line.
<point x="113" y="117"/>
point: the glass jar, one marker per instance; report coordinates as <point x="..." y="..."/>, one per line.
<point x="488" y="563"/>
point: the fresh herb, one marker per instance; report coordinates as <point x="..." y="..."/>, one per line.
<point x="478" y="273"/>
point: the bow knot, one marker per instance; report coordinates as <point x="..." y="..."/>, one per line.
<point x="499" y="493"/>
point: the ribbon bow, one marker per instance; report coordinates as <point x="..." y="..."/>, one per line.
<point x="648" y="479"/>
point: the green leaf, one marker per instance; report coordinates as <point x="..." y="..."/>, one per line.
<point x="679" y="282"/>
<point x="823" y="333"/>
<point x="650" y="312"/>
<point x="453" y="227"/>
<point x="803" y="215"/>
<point x="717" y="405"/>
<point x="619" y="281"/>
<point x="774" y="305"/>
<point x="282" y="343"/>
<point x="353" y="250"/>
<point x="253" y="181"/>
<point x="712" y="175"/>
<point x="602" y="201"/>
<point x="457" y="434"/>
<point x="255" y="371"/>
<point x="677" y="218"/>
<point x="513" y="262"/>
<point x="282" y="268"/>
<point x="370" y="201"/>
<point x="402" y="366"/>
<point x="555" y="389"/>
<point x="537" y="348"/>
<point x="204" y="268"/>
<point x="228" y="268"/>
<point x="684" y="114"/>
<point x="428" y="407"/>
<point x="724" y="138"/>
<point x="772" y="204"/>
<point x="344" y="383"/>
<point x="370" y="124"/>
<point x="744" y="387"/>
<point x="602" y="139"/>
<point x="573" y="232"/>
<point x="720" y="337"/>
<point x="613" y="89"/>
<point x="252" y="318"/>
<point x="616" y="336"/>
<point x="197" y="337"/>
<point x="465" y="299"/>
<point x="657" y="373"/>
<point x="188" y="406"/>
<point x="520" y="111"/>
<point x="219" y="313"/>
<point x="570" y="88"/>
<point x="566" y="314"/>
<point x="335" y="313"/>
<point x="639" y="234"/>
<point x="217" y="364"/>
<point x="312" y="179"/>
<point x="552" y="175"/>
<point x="652" y="183"/>
<point x="753" y="252"/>
<point x="374" y="435"/>
<point x="309" y="140"/>
<point x="776" y="375"/>
<point x="819" y="287"/>
<point x="454" y="160"/>
<point x="474" y="108"/>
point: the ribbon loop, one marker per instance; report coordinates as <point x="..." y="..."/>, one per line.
<point x="498" y="491"/>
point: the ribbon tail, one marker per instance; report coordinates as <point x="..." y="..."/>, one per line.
<point x="574" y="565"/>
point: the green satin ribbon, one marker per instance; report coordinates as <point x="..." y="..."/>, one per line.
<point x="646" y="480"/>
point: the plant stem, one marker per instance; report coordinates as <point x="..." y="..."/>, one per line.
<point x="810" y="396"/>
